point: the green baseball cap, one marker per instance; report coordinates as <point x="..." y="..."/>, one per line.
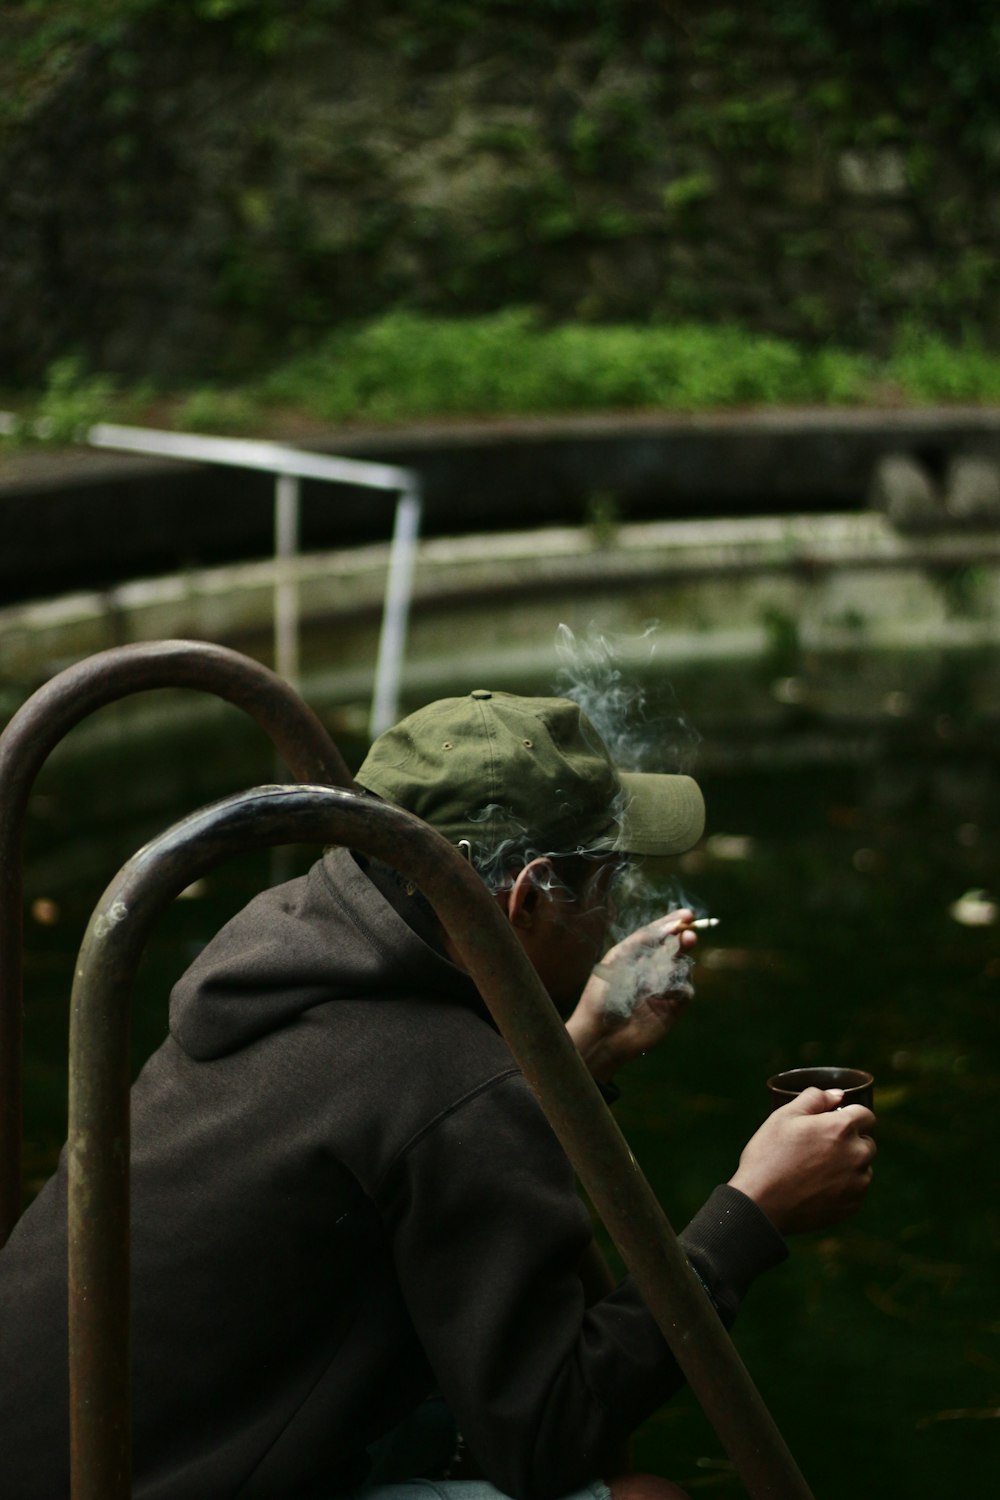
<point x="492" y="767"/>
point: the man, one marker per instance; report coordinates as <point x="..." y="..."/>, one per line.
<point x="344" y="1195"/>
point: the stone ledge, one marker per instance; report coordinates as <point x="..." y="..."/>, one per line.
<point x="713" y="585"/>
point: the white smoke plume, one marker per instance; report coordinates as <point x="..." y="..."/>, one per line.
<point x="628" y="700"/>
<point x="634" y="710"/>
<point x="656" y="969"/>
<point x="499" y="862"/>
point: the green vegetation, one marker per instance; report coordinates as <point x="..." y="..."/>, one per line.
<point x="927" y="368"/>
<point x="603" y="518"/>
<point x="405" y="366"/>
<point x="219" y="411"/>
<point x="408" y="367"/>
<point x="71" y="401"/>
<point x="812" y="172"/>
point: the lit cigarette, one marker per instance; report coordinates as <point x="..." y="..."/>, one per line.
<point x="701" y="923"/>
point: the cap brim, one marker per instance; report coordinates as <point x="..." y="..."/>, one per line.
<point x="662" y="815"/>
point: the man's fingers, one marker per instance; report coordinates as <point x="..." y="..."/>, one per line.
<point x="656" y="931"/>
<point x="679" y="917"/>
<point x="857" y="1143"/>
<point x="672" y="926"/>
<point x="814" y="1101"/>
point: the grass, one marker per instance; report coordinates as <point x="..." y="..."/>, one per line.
<point x="405" y="367"/>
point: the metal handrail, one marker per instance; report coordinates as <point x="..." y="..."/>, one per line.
<point x="289" y="465"/>
<point x="99" y="1118"/>
<point x="26" y="742"/>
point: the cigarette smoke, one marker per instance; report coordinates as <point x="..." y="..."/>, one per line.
<point x="634" y="710"/>
<point x="628" y="701"/>
<point x="635" y="713"/>
<point x="498" y="863"/>
<point x="655" y="970"/>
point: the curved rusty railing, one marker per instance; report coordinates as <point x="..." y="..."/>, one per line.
<point x="26" y="742"/>
<point x="99" y="1118"/>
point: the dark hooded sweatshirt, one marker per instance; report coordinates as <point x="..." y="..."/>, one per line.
<point x="344" y="1194"/>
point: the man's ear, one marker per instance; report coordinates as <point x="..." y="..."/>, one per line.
<point x="526" y="892"/>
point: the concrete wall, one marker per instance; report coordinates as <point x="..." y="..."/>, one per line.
<point x="81" y="519"/>
<point x="826" y="616"/>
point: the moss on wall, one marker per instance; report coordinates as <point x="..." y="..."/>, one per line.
<point x="202" y="190"/>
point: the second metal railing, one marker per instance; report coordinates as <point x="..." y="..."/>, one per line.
<point x="297" y="734"/>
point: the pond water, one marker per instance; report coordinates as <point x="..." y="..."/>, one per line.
<point x="877" y="1346"/>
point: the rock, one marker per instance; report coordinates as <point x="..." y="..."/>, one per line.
<point x="905" y="492"/>
<point x="972" y="487"/>
<point x="873" y="174"/>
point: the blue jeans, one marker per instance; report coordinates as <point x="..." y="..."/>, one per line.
<point x="461" y="1489"/>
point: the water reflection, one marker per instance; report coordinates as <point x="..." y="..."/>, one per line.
<point x="845" y="895"/>
<point x="878" y="1344"/>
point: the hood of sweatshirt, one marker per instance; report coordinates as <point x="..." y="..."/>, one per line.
<point x="332" y="933"/>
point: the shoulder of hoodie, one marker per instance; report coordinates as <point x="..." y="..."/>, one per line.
<point x="320" y="987"/>
<point x="330" y="935"/>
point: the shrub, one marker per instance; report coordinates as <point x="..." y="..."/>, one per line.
<point x="406" y="365"/>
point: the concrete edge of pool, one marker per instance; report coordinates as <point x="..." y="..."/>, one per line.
<point x="838" y="618"/>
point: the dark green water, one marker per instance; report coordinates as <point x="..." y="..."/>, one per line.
<point x="877" y="1346"/>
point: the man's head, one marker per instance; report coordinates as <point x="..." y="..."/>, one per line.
<point x="527" y="788"/>
<point x="514" y="778"/>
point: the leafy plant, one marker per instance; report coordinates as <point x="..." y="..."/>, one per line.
<point x="220" y="411"/>
<point x="407" y="365"/>
<point x="683" y="192"/>
<point x="603" y="518"/>
<point x="71" y="403"/>
<point x="929" y="368"/>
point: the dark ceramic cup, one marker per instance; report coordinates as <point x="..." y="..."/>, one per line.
<point x="858" y="1086"/>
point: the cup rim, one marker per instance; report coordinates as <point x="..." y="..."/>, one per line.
<point x="851" y="1080"/>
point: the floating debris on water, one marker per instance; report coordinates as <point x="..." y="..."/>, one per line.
<point x="975" y="909"/>
<point x="729" y="846"/>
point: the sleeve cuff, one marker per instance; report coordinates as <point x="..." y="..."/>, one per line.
<point x="730" y="1242"/>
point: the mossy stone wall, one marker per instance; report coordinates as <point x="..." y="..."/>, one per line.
<point x="198" y="191"/>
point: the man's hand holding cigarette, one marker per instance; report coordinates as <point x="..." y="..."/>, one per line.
<point x="635" y="994"/>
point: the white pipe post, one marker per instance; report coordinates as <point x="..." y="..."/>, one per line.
<point x="395" y="611"/>
<point x="286" y="586"/>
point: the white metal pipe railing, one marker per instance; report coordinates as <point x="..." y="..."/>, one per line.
<point x="286" y="583"/>
<point x="250" y="453"/>
<point x="289" y="466"/>
<point x="395" y="611"/>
